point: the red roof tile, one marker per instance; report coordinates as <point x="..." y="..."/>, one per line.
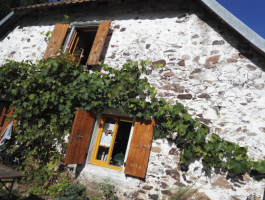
<point x="56" y="4"/>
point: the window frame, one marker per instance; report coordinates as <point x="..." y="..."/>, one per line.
<point x="98" y="133"/>
<point x="60" y="39"/>
<point x="73" y="28"/>
<point x="85" y="131"/>
<point x="97" y="47"/>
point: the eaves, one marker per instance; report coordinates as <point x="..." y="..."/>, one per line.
<point x="226" y="17"/>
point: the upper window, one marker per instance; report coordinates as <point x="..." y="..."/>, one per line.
<point x="121" y="144"/>
<point x="84" y="43"/>
<point x="81" y="44"/>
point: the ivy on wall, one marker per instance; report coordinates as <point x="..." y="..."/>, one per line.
<point x="47" y="94"/>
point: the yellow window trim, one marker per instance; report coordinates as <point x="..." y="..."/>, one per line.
<point x="96" y="147"/>
<point x="124" y="120"/>
<point x="106" y="164"/>
<point x="103" y="164"/>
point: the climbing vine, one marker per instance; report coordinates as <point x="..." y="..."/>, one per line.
<point x="46" y="95"/>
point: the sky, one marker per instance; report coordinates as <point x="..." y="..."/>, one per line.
<point x="250" y="12"/>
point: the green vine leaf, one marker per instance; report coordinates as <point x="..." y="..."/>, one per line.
<point x="260" y="166"/>
<point x="46" y="95"/>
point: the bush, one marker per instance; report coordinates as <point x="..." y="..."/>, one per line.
<point x="64" y="190"/>
<point x="107" y="190"/>
<point x="72" y="191"/>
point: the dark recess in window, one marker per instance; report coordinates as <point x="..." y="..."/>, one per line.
<point x="121" y="143"/>
<point x="81" y="44"/>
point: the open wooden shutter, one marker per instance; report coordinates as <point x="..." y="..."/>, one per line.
<point x="79" y="138"/>
<point x="98" y="43"/>
<point x="3" y="118"/>
<point x="140" y="146"/>
<point x="56" y="40"/>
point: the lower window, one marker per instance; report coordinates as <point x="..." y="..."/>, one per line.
<point x="119" y="143"/>
<point x="112" y="141"/>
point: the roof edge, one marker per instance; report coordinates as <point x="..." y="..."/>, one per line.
<point x="250" y="35"/>
<point x="7" y="22"/>
<point x="6" y="18"/>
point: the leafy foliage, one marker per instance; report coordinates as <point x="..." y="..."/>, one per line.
<point x="72" y="191"/>
<point x="106" y="191"/>
<point x="47" y="94"/>
<point x="43" y="176"/>
<point x="63" y="190"/>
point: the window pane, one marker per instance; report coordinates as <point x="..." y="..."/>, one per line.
<point x="109" y="124"/>
<point x="81" y="44"/>
<point x="120" y="144"/>
<point x="105" y="140"/>
<point x="107" y="132"/>
<point x="102" y="153"/>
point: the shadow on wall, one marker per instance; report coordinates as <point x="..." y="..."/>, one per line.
<point x="103" y="11"/>
<point x="246" y="50"/>
<point x="79" y="169"/>
<point x="139" y="10"/>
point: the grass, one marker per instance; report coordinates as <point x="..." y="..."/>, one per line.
<point x="16" y="195"/>
<point x="183" y="193"/>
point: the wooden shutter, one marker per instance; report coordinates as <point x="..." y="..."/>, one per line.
<point x="4" y="115"/>
<point x="79" y="138"/>
<point x="56" y="40"/>
<point x="140" y="146"/>
<point x="98" y="43"/>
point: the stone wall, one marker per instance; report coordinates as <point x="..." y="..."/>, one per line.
<point x="27" y="41"/>
<point x="214" y="80"/>
<point x="212" y="71"/>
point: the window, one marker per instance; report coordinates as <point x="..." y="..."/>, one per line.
<point x="81" y="44"/>
<point x="112" y="140"/>
<point x="84" y="42"/>
<point x="121" y="144"/>
<point x="5" y="113"/>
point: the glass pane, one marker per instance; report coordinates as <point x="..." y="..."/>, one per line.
<point x="109" y="124"/>
<point x="120" y="144"/>
<point x="107" y="132"/>
<point x="106" y="138"/>
<point x="102" y="153"/>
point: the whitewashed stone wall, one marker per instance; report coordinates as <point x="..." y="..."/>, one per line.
<point x="217" y="77"/>
<point x="25" y="43"/>
<point x="204" y="72"/>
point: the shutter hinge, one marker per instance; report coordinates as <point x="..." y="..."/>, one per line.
<point x="78" y="137"/>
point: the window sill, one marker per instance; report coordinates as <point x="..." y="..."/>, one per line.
<point x="103" y="164"/>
